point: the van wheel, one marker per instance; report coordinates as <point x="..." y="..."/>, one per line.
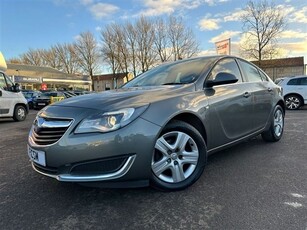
<point x="20" y="113"/>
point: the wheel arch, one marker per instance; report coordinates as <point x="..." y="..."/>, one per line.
<point x="193" y="120"/>
<point x="23" y="105"/>
<point x="281" y="103"/>
<point x="295" y="94"/>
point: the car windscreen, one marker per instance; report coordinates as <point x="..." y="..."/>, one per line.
<point x="48" y="95"/>
<point x="181" y="72"/>
<point x="28" y="95"/>
<point x="278" y="81"/>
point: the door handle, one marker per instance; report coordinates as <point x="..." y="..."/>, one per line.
<point x="247" y="94"/>
<point x="270" y="89"/>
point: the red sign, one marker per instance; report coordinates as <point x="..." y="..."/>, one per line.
<point x="43" y="86"/>
<point x="223" y="47"/>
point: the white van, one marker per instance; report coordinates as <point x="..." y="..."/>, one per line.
<point x="12" y="102"/>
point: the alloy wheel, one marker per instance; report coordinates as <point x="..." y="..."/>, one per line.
<point x="278" y="122"/>
<point x="175" y="157"/>
<point x="293" y="102"/>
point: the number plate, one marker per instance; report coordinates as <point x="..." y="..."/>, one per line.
<point x="37" y="156"/>
<point x="41" y="103"/>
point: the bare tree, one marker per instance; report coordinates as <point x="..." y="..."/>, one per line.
<point x="86" y="49"/>
<point x="183" y="42"/>
<point x="262" y="23"/>
<point x="109" y="48"/>
<point x="145" y="39"/>
<point x="123" y="54"/>
<point x="67" y="57"/>
<point x="50" y="58"/>
<point x="140" y="45"/>
<point x="15" y="61"/>
<point x="131" y="35"/>
<point x="32" y="57"/>
<point x="162" y="41"/>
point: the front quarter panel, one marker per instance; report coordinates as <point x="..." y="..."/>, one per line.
<point x="161" y="112"/>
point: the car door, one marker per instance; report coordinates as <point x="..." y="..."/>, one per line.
<point x="262" y="94"/>
<point x="302" y="88"/>
<point x="230" y="106"/>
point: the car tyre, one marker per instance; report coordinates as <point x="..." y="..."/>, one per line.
<point x="30" y="105"/>
<point x="293" y="102"/>
<point x="274" y="133"/>
<point x="179" y="157"/>
<point x="20" y="113"/>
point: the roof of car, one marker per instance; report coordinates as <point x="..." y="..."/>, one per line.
<point x="291" y="77"/>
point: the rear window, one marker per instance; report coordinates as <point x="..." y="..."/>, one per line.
<point x="304" y="81"/>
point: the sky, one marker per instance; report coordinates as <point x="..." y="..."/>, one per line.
<point x="37" y="24"/>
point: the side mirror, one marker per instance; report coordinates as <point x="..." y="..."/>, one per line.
<point x="0" y="93"/>
<point x="16" y="87"/>
<point x="222" y="78"/>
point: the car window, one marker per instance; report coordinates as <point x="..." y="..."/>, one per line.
<point x="227" y="65"/>
<point x="263" y="76"/>
<point x="293" y="82"/>
<point x="182" y="72"/>
<point x="304" y="81"/>
<point x="250" y="72"/>
<point x="28" y="95"/>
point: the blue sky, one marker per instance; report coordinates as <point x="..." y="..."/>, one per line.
<point x="36" y="24"/>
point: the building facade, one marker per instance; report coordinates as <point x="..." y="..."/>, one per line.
<point x="110" y="81"/>
<point x="284" y="67"/>
<point x="46" y="78"/>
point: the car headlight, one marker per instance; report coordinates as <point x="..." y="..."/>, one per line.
<point x="109" y="121"/>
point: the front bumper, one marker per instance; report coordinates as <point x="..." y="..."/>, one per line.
<point x="120" y="156"/>
<point x="69" y="177"/>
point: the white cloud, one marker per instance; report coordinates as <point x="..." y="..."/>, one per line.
<point x="225" y="35"/>
<point x="206" y="53"/>
<point x="292" y="34"/>
<point x="77" y="37"/>
<point x="286" y="9"/>
<point x="300" y="16"/>
<point x="101" y="10"/>
<point x="208" y="24"/>
<point x="235" y="16"/>
<point x="159" y="7"/>
<point x="295" y="48"/>
<point x="98" y="28"/>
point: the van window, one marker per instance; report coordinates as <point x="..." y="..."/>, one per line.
<point x="2" y="81"/>
<point x="6" y="83"/>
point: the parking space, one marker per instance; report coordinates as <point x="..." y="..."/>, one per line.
<point x="254" y="185"/>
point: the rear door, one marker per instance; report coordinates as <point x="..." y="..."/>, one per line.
<point x="262" y="94"/>
<point x="230" y="106"/>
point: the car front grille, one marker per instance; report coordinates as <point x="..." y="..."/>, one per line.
<point x="47" y="131"/>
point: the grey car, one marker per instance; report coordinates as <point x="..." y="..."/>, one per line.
<point x="159" y="128"/>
